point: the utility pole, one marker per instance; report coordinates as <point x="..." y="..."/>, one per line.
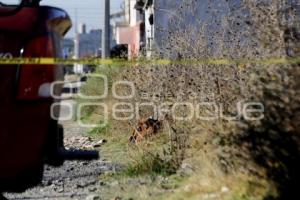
<point x="78" y="68"/>
<point x="106" y="30"/>
<point x="76" y="39"/>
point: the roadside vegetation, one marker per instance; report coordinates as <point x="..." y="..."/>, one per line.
<point x="221" y="158"/>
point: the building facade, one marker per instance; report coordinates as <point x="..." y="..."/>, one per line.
<point x="132" y="30"/>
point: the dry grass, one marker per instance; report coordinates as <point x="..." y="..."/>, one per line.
<point x="226" y="160"/>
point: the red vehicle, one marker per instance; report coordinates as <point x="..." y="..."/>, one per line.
<point x="29" y="138"/>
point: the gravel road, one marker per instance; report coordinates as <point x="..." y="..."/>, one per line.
<point x="73" y="180"/>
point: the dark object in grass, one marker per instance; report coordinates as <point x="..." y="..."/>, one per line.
<point x="145" y="129"/>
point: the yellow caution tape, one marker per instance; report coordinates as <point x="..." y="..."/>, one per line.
<point x="98" y="61"/>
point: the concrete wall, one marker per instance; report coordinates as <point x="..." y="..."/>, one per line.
<point x="235" y="28"/>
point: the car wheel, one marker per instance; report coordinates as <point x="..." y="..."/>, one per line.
<point x="55" y="142"/>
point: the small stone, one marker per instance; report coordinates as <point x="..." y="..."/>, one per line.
<point x="186" y="169"/>
<point x="115" y="183"/>
<point x="47" y="182"/>
<point x="99" y="143"/>
<point x="93" y="189"/>
<point x="70" y="169"/>
<point x="104" y="168"/>
<point x="93" y="197"/>
<point x="101" y="183"/>
<point x="79" y="186"/>
<point x="224" y="189"/>
<point x="67" y="179"/>
<point x="142" y="182"/>
<point x="85" y="163"/>
<point x="60" y="190"/>
<point x="88" y="146"/>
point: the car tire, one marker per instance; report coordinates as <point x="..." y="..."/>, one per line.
<point x="55" y="142"/>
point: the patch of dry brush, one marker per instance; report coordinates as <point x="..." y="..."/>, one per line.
<point x="245" y="30"/>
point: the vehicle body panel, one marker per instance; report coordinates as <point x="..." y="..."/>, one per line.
<point x="25" y="125"/>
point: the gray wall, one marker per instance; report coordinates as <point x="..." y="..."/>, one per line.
<point x="219" y="28"/>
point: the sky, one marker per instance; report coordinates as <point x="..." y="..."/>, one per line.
<point x="89" y="12"/>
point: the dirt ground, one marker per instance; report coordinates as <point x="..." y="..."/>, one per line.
<point x="73" y="180"/>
